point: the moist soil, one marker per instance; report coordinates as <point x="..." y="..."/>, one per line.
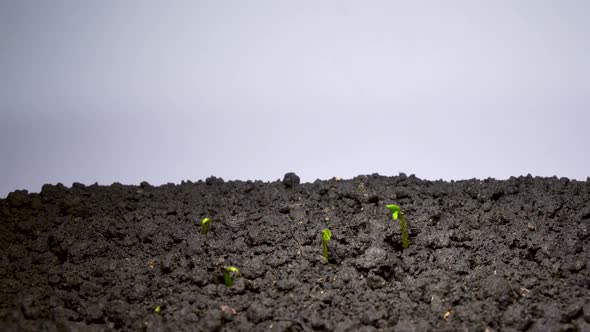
<point x="484" y="255"/>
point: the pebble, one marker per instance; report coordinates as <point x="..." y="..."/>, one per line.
<point x="291" y="180"/>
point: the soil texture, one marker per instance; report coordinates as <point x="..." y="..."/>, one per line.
<point x="484" y="255"/>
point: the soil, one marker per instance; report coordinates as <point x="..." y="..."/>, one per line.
<point x="484" y="255"/>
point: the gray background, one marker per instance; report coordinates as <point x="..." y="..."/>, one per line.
<point x="169" y="90"/>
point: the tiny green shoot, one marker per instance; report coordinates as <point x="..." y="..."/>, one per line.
<point x="205" y="225"/>
<point x="229" y="274"/>
<point x="326" y="235"/>
<point x="397" y="213"/>
<point x="158" y="310"/>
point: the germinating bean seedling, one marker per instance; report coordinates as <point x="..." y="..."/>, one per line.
<point x="397" y="213"/>
<point x="326" y="235"/>
<point x="229" y="274"/>
<point x="205" y="225"/>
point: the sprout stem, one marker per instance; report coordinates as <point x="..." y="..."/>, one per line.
<point x="402" y="221"/>
<point x="398" y="214"/>
<point x="326" y="235"/>
<point x="205" y="225"/>
<point x="228" y="275"/>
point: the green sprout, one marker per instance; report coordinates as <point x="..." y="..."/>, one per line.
<point x="397" y="213"/>
<point x="205" y="225"/>
<point x="229" y="274"/>
<point x="326" y="235"/>
<point x="158" y="309"/>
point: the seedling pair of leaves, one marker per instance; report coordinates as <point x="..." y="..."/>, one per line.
<point x="398" y="214"/>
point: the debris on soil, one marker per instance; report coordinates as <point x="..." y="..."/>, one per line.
<point x="485" y="255"/>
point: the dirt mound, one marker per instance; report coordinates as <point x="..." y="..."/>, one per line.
<point x="483" y="255"/>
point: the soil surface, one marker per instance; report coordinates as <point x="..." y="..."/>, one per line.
<point x="484" y="255"/>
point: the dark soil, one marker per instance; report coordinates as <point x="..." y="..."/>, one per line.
<point x="484" y="256"/>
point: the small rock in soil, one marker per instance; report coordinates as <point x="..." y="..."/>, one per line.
<point x="516" y="316"/>
<point x="253" y="268"/>
<point x="345" y="326"/>
<point x="286" y="284"/>
<point x="498" y="288"/>
<point x="30" y="307"/>
<point x="137" y="292"/>
<point x="212" y="180"/>
<point x="169" y="263"/>
<point x="370" y="316"/>
<point x="291" y="180"/>
<point x="257" y="312"/>
<point x="239" y="286"/>
<point x="372" y="258"/>
<point x="375" y="281"/>
<point x="213" y="320"/>
<point x="18" y="198"/>
<point x="94" y="313"/>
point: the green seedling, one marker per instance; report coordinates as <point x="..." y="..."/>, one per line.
<point x="158" y="310"/>
<point x="326" y="236"/>
<point x="397" y="213"/>
<point x="228" y="275"/>
<point x="205" y="225"/>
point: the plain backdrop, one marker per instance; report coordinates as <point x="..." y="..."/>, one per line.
<point x="163" y="91"/>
